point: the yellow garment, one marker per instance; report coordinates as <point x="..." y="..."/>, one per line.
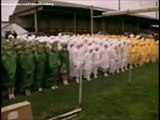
<point x="142" y="54"/>
<point x="145" y="50"/>
<point x="132" y="54"/>
<point x="155" y="52"/>
<point x="137" y="54"/>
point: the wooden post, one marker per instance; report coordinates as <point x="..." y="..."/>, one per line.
<point x="156" y="11"/>
<point x="130" y="71"/>
<point x="91" y="11"/>
<point x="123" y="25"/>
<point x="35" y="22"/>
<point x="103" y="25"/>
<point x="137" y="27"/>
<point x="80" y="87"/>
<point x="74" y="23"/>
<point x="48" y="23"/>
<point x="119" y="5"/>
<point x="36" y="18"/>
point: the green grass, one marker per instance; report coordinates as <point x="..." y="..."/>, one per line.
<point x="105" y="98"/>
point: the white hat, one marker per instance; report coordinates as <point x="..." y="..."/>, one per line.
<point x="90" y="48"/>
<point x="11" y="36"/>
<point x="137" y="36"/>
<point x="131" y="35"/>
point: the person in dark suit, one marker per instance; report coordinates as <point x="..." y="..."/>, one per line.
<point x="14" y="34"/>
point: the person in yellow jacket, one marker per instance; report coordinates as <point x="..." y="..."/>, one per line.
<point x="137" y="54"/>
<point x="141" y="53"/>
<point x="132" y="53"/>
<point x="147" y="51"/>
<point x="152" y="50"/>
<point x="155" y="52"/>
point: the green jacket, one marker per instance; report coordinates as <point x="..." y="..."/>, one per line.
<point x="54" y="59"/>
<point x="27" y="66"/>
<point x="64" y="57"/>
<point x="9" y="65"/>
<point x="40" y="62"/>
<point x="53" y="64"/>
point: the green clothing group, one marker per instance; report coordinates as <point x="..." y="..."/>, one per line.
<point x="26" y="64"/>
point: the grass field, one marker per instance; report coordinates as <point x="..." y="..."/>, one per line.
<point x="104" y="98"/>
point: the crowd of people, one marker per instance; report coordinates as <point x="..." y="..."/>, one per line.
<point x="37" y="62"/>
<point x="11" y="34"/>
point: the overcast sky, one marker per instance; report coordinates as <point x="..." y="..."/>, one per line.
<point x="111" y="4"/>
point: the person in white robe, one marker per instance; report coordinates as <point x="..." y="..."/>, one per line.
<point x="88" y="63"/>
<point x="96" y="60"/>
<point x="78" y="59"/>
<point x="104" y="58"/>
<point x="112" y="58"/>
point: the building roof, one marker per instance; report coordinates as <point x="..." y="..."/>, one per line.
<point x="19" y="8"/>
<point x="143" y="16"/>
<point x="155" y="26"/>
<point x="75" y="5"/>
<point x="4" y="23"/>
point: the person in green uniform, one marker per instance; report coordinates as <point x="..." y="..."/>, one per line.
<point x="40" y="59"/>
<point x="9" y="67"/>
<point x="64" y="59"/>
<point x="4" y="91"/>
<point x="53" y="64"/>
<point x="18" y="47"/>
<point x="27" y="65"/>
<point x="2" y="73"/>
<point x="46" y="49"/>
<point x="34" y="49"/>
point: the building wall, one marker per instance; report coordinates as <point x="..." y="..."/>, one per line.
<point x="26" y="22"/>
<point x="58" y="21"/>
<point x="83" y="24"/>
<point x="113" y="26"/>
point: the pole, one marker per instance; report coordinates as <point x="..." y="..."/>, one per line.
<point x="91" y="19"/>
<point x="123" y="30"/>
<point x="35" y="22"/>
<point x="156" y="11"/>
<point x="103" y="25"/>
<point x="75" y="23"/>
<point x="130" y="71"/>
<point x="132" y="11"/>
<point x="80" y="87"/>
<point x="35" y="18"/>
<point x="119" y="5"/>
<point x="138" y="27"/>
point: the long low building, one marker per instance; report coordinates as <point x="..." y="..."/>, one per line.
<point x="69" y="17"/>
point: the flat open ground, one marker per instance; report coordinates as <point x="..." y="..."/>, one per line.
<point x="104" y="98"/>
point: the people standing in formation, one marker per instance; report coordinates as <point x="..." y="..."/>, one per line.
<point x="37" y="62"/>
<point x="10" y="35"/>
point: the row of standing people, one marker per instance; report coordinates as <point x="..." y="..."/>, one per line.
<point x="32" y="64"/>
<point x="44" y="61"/>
